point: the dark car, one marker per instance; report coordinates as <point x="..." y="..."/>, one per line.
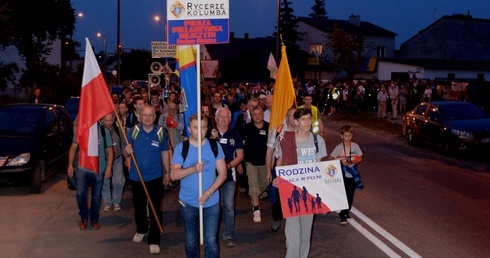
<point x="32" y="138"/>
<point x="72" y="106"/>
<point x="452" y="125"/>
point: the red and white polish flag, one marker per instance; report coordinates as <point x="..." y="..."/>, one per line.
<point x="95" y="103"/>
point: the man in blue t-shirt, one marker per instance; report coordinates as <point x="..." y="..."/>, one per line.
<point x="187" y="171"/>
<point x="148" y="142"/>
<point x="231" y="142"/>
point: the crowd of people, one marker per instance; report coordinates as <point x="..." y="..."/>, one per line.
<point x="239" y="153"/>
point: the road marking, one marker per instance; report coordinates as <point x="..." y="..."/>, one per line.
<point x="376" y="241"/>
<point x="384" y="233"/>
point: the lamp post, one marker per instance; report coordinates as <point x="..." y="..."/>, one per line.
<point x="105" y="46"/>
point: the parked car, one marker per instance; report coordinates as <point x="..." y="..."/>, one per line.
<point x="72" y="106"/>
<point x="32" y="138"/>
<point x="452" y="125"/>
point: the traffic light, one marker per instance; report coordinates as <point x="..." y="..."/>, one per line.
<point x="119" y="48"/>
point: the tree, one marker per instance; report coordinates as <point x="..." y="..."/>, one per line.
<point x="289" y="36"/>
<point x="287" y="26"/>
<point x="318" y="10"/>
<point x="33" y="27"/>
<point x="6" y="25"/>
<point x="347" y="50"/>
<point x="7" y="72"/>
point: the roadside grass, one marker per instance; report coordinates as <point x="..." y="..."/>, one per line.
<point x="370" y="121"/>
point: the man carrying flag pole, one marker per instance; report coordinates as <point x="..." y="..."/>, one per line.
<point x="95" y="152"/>
<point x="199" y="195"/>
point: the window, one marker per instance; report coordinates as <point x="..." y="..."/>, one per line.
<point x="316" y="50"/>
<point x="421" y="110"/>
<point x="434" y="114"/>
<point x="381" y="52"/>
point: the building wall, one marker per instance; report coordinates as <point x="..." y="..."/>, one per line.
<point x="312" y="35"/>
<point x="386" y="68"/>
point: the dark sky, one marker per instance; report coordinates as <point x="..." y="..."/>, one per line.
<point x="258" y="17"/>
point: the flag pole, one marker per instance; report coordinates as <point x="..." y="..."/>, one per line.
<point x="139" y="174"/>
<point x="199" y="135"/>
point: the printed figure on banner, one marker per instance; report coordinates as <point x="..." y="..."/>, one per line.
<point x="311" y="188"/>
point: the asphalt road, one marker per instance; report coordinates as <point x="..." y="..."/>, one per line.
<point x="416" y="203"/>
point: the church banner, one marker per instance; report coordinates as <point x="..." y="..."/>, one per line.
<point x="311" y="188"/>
<point x="191" y="22"/>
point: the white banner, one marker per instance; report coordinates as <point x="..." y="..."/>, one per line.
<point x="197" y="9"/>
<point x="311" y="188"/>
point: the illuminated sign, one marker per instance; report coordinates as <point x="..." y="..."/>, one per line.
<point x="197" y="22"/>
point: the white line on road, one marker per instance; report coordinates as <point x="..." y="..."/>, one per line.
<point x="384" y="233"/>
<point x="376" y="241"/>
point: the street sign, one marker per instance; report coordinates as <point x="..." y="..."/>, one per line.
<point x="160" y="49"/>
<point x="192" y="22"/>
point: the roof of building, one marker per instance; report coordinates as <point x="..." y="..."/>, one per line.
<point x="238" y="48"/>
<point x="440" y="64"/>
<point x="364" y="28"/>
<point x="455" y="37"/>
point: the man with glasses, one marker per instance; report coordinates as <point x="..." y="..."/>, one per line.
<point x="148" y="143"/>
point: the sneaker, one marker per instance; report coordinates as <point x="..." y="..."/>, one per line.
<point x="230" y="243"/>
<point x="106" y="208"/>
<point x="138" y="237"/>
<point x="343" y="221"/>
<point x="275" y="225"/>
<point x="257" y="216"/>
<point x="117" y="207"/>
<point x="154" y="249"/>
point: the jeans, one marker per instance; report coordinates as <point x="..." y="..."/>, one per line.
<point x="84" y="179"/>
<point x="141" y="208"/>
<point x="190" y="216"/>
<point x="227" y="193"/>
<point x="118" y="181"/>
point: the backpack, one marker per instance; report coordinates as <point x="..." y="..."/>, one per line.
<point x="185" y="148"/>
<point x="315" y="136"/>
<point x="136" y="131"/>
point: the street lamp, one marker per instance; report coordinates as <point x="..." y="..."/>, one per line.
<point x="105" y="45"/>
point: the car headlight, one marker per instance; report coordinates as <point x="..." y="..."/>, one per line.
<point x="20" y="160"/>
<point x="462" y="134"/>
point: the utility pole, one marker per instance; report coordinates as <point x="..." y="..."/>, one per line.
<point x="278" y="47"/>
<point x="118" y="48"/>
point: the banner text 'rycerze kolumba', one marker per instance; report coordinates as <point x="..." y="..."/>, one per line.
<point x="197" y="22"/>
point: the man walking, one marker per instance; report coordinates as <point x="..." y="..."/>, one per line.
<point x="85" y="177"/>
<point x="187" y="170"/>
<point x="148" y="142"/>
<point x="232" y="146"/>
<point x="255" y="151"/>
<point x="112" y="199"/>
